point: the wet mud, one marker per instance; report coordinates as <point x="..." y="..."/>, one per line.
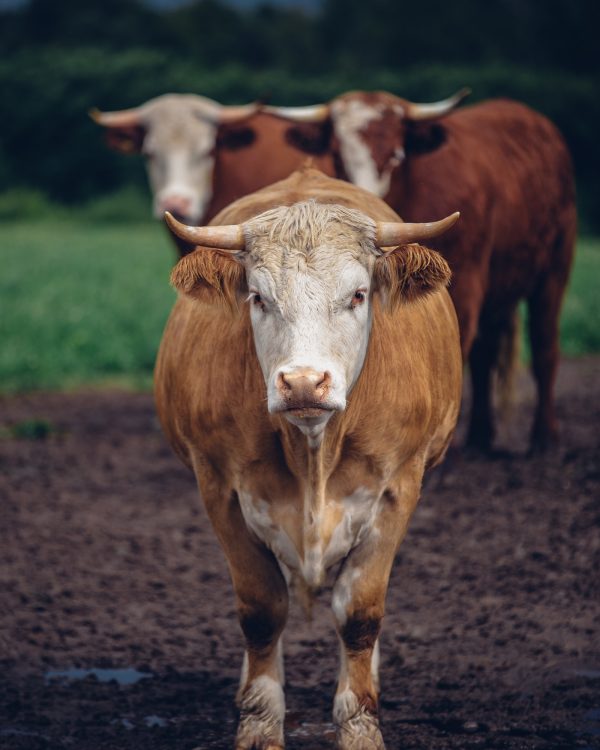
<point x="117" y="622"/>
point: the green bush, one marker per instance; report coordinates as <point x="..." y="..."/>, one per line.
<point x="48" y="143"/>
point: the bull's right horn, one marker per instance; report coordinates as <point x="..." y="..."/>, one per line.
<point x="435" y="109"/>
<point x="229" y="238"/>
<point x="123" y="118"/>
<point x="312" y="113"/>
<point x="389" y="234"/>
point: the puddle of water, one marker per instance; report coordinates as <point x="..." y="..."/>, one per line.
<point x="22" y="733"/>
<point x="155" y="721"/>
<point x="126" y="676"/>
<point x="592" y="674"/>
<point x="592" y="722"/>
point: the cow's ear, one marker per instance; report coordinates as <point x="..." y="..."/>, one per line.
<point x="310" y="137"/>
<point x="423" y="137"/>
<point x="409" y="272"/>
<point x="210" y="276"/>
<point x="234" y="137"/>
<point x="126" y="139"/>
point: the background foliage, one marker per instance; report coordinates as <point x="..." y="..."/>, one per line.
<point x="61" y="57"/>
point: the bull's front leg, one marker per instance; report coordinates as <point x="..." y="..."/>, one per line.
<point x="262" y="604"/>
<point x="358" y="606"/>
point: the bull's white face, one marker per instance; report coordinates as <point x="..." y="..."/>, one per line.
<point x="370" y="144"/>
<point x="310" y="306"/>
<point x="179" y="153"/>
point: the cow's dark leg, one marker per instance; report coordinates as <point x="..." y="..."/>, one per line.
<point x="262" y="604"/>
<point x="496" y="340"/>
<point x="358" y="607"/>
<point x="544" y="311"/>
<point x="481" y="422"/>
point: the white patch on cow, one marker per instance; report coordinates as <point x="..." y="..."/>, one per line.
<point x="258" y="519"/>
<point x="179" y="145"/>
<point x="262" y="713"/>
<point x="349" y="119"/>
<point x="342" y="593"/>
<point x="375" y="661"/>
<point x="358" y="521"/>
<point x="345" y="706"/>
<point x="304" y="267"/>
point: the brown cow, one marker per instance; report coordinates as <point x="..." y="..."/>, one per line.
<point x="309" y="373"/>
<point x="201" y="155"/>
<point x="508" y="171"/>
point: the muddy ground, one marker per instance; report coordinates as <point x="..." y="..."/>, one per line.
<point x="491" y="637"/>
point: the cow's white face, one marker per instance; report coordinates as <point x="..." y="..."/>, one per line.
<point x="370" y="140"/>
<point x="179" y="150"/>
<point x="309" y="275"/>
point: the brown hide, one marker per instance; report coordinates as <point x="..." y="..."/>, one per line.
<point x="257" y="153"/>
<point x="211" y="394"/>
<point x="507" y="170"/>
<point x="400" y="416"/>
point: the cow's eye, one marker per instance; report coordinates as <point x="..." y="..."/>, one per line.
<point x="257" y="300"/>
<point x="359" y="297"/>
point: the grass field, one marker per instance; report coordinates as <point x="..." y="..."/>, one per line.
<point x="85" y="302"/>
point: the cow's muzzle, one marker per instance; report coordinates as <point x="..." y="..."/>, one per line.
<point x="303" y="393"/>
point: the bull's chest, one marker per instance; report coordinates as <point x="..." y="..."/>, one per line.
<point x="309" y="534"/>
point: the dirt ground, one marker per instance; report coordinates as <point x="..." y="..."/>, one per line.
<point x="107" y="562"/>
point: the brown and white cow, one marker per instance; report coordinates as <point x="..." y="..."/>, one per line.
<point x="309" y="374"/>
<point x="508" y="171"/>
<point x="201" y="155"/>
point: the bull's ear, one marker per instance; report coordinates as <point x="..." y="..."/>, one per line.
<point x="409" y="272"/>
<point x="210" y="276"/>
<point x="127" y="140"/>
<point x="423" y="137"/>
<point x="309" y="137"/>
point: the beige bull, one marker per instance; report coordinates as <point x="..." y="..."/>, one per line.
<point x="309" y="374"/>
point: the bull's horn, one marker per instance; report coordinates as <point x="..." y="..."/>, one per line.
<point x="237" y="112"/>
<point x="124" y="118"/>
<point x="389" y="234"/>
<point x="435" y="109"/>
<point x="313" y="113"/>
<point x="229" y="238"/>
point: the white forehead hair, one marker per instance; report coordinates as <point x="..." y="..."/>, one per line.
<point x="288" y="234"/>
<point x="180" y="117"/>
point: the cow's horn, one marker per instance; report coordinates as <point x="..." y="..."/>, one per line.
<point x="435" y="109"/>
<point x="124" y="118"/>
<point x="312" y="113"/>
<point x="389" y="234"/>
<point x="234" y="113"/>
<point x="229" y="238"/>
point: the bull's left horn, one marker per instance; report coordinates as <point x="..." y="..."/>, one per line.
<point x="435" y="109"/>
<point x="389" y="234"/>
<point x="234" y="113"/>
<point x="312" y="113"/>
<point x="123" y="118"/>
<point x="229" y="238"/>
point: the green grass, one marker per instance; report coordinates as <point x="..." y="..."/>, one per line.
<point x="81" y="303"/>
<point x="580" y="321"/>
<point x="84" y="302"/>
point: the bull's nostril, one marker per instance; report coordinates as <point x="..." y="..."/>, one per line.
<point x="324" y="381"/>
<point x="282" y="384"/>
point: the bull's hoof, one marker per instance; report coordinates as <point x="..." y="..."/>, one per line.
<point x="262" y="713"/>
<point x="254" y="738"/>
<point x="360" y="732"/>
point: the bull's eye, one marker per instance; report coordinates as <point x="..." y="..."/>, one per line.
<point x="257" y="300"/>
<point x="359" y="297"/>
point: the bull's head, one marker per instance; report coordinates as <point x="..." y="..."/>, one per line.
<point x="309" y="273"/>
<point x="374" y="131"/>
<point x="177" y="135"/>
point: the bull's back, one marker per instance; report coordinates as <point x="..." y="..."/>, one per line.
<point x="506" y="168"/>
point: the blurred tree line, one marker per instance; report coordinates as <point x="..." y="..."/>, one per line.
<point x="61" y="57"/>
